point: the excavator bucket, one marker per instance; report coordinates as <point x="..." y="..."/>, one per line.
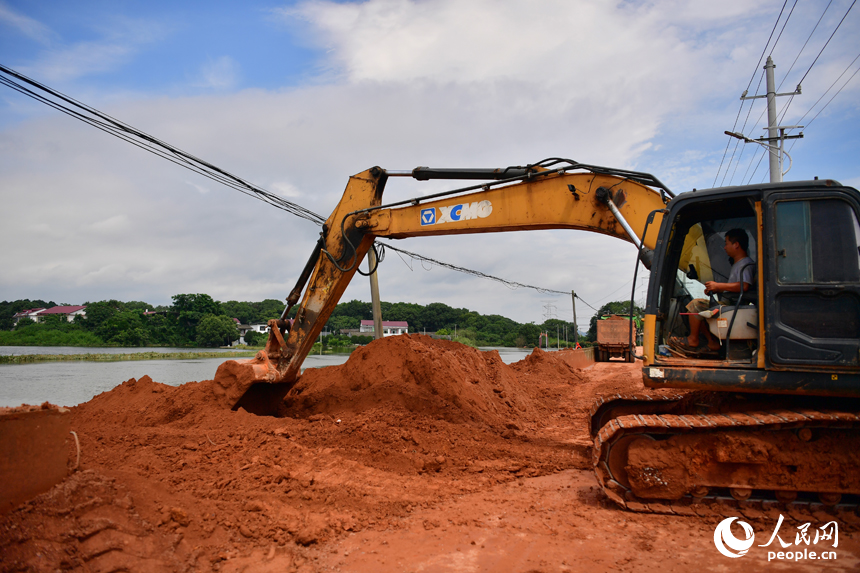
<point x="259" y="385"/>
<point x="253" y="385"/>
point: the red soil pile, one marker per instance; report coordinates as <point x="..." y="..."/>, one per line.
<point x="414" y="455"/>
<point x="433" y="378"/>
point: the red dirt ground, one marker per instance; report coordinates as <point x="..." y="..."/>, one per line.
<point x="415" y="455"/>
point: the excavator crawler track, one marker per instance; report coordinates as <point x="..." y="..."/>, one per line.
<point x="733" y="463"/>
<point x="611" y="406"/>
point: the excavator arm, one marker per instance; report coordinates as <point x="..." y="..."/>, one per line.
<point x="600" y="200"/>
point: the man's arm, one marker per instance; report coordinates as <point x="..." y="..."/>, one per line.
<point x="714" y="287"/>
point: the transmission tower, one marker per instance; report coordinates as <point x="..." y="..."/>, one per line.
<point x="549" y="310"/>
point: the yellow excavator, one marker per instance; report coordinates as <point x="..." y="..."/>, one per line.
<point x="772" y="417"/>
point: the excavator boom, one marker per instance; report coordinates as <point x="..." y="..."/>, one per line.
<point x="533" y="198"/>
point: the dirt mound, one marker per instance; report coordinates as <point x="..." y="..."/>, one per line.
<point x="416" y="454"/>
<point x="146" y="403"/>
<point x="565" y="363"/>
<point x="434" y="378"/>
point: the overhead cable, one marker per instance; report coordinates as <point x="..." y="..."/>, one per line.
<point x="832" y="98"/>
<point x="117" y="128"/>
<point x="108" y="124"/>
<point x="827" y="42"/>
<point x="510" y="284"/>
<point x="752" y="77"/>
<point x="784" y="24"/>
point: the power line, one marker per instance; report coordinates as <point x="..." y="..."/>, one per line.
<point x="784" y="110"/>
<point x="834" y="95"/>
<point x="784" y="24"/>
<point x="761" y="153"/>
<point x="752" y="77"/>
<point x="108" y="124"/>
<point x="797" y="57"/>
<point x="805" y="43"/>
<point x="513" y="285"/>
<point x="827" y="42"/>
<point x="129" y="134"/>
<point x="743" y="128"/>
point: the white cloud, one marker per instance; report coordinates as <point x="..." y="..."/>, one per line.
<point x="27" y="26"/>
<point x="116" y="42"/>
<point x="111" y="225"/>
<point x="286" y="189"/>
<point x="83" y="59"/>
<point x="444" y="84"/>
<point x="199" y="188"/>
<point x="219" y="74"/>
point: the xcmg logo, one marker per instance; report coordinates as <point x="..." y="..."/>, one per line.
<point x="455" y="213"/>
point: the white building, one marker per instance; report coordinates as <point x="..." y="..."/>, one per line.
<point x="30" y="313"/>
<point x="36" y="314"/>
<point x="389" y="327"/>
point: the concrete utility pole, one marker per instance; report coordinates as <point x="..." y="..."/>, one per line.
<point x="775" y="158"/>
<point x="575" y="328"/>
<point x="375" y="305"/>
<point x="775" y="133"/>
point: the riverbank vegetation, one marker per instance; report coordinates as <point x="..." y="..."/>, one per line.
<point x="108" y="357"/>
<point x="197" y="320"/>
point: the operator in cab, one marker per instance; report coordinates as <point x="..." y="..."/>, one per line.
<point x="741" y="279"/>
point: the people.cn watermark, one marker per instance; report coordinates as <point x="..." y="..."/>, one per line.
<point x="805" y="546"/>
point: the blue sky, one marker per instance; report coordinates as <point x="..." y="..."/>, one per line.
<point x="156" y="48"/>
<point x="295" y="97"/>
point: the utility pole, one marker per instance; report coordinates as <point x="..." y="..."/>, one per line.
<point x="575" y="328"/>
<point x="775" y="133"/>
<point x="375" y="305"/>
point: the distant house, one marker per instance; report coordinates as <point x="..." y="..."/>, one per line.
<point x="148" y="312"/>
<point x="70" y="312"/>
<point x="389" y="327"/>
<point x="246" y="328"/>
<point x="29" y="313"/>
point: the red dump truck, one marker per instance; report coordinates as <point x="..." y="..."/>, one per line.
<point x="613" y="338"/>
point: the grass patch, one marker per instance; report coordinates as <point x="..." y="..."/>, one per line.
<point x="104" y="357"/>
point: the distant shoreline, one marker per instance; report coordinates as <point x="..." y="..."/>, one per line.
<point x="110" y="357"/>
<point x="106" y="357"/>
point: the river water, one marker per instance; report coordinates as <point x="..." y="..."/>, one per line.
<point x="71" y="383"/>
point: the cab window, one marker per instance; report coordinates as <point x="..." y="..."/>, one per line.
<point x="817" y="241"/>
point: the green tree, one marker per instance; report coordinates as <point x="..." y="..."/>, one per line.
<point x="244" y="311"/>
<point x="215" y="330"/>
<point x="98" y="313"/>
<point x="125" y="328"/>
<point x="254" y="338"/>
<point x="528" y="334"/>
<point x="342" y="322"/>
<point x="269" y="309"/>
<point x="354" y="308"/>
<point x="9" y="309"/>
<point x="191" y="309"/>
<point x="24" y="322"/>
<point x="163" y="330"/>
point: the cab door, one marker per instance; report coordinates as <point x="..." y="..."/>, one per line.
<point x="812" y="282"/>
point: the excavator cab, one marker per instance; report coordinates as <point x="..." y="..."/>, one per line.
<point x="797" y="330"/>
<point x="774" y="418"/>
<point x="695" y="251"/>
